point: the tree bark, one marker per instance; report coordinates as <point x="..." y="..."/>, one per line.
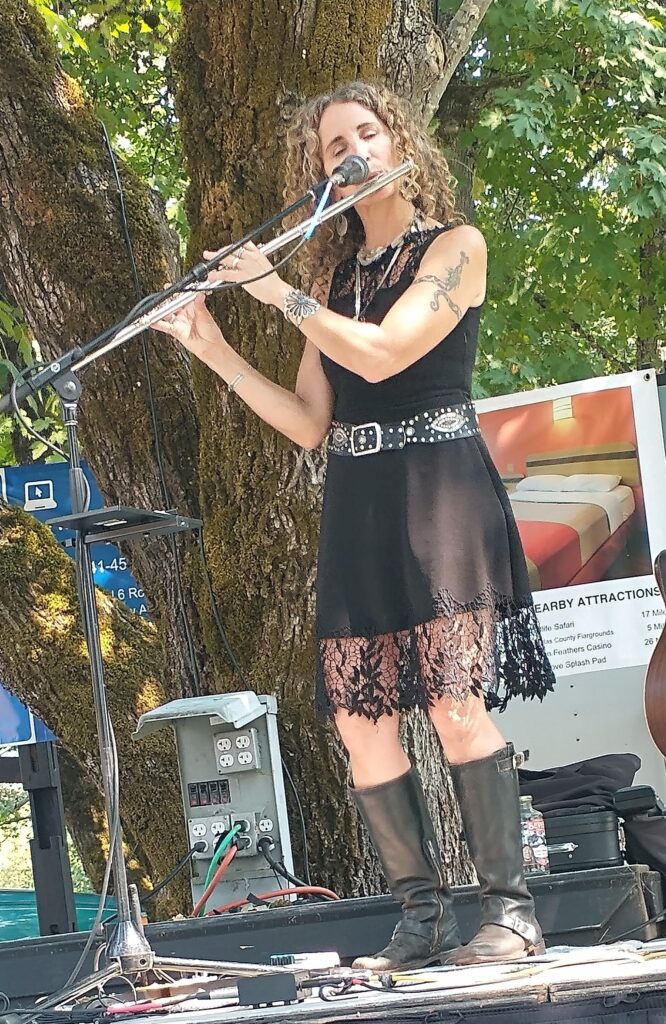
<point x="243" y="67"/>
<point x="65" y="263"/>
<point x="650" y="350"/>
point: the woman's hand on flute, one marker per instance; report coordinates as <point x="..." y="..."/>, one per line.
<point x="248" y="263"/>
<point x="192" y="326"/>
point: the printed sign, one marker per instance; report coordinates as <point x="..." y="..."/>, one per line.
<point x="43" y="490"/>
<point x="585" y="468"/>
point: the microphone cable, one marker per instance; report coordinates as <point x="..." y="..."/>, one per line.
<point x="214" y="607"/>
<point x="18" y="380"/>
<point x="189" y="637"/>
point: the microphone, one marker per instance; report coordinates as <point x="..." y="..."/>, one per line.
<point x="352" y="171"/>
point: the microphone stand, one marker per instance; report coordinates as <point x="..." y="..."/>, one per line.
<point x="127" y="950"/>
<point x="177" y="295"/>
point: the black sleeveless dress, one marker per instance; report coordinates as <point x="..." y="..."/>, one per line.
<point x="422" y="588"/>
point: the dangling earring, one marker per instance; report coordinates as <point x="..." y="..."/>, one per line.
<point x="341" y="226"/>
<point x="409" y="190"/>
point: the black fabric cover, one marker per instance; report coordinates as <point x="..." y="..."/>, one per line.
<point x="591" y="783"/>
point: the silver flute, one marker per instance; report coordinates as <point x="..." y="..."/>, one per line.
<point x="182" y="299"/>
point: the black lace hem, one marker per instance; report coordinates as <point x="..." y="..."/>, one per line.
<point x="490" y="646"/>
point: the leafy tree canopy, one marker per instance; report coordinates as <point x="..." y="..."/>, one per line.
<point x="559" y="115"/>
<point x="118" y="50"/>
<point x="569" y="160"/>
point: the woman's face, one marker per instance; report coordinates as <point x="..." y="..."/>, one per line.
<point x="348" y="129"/>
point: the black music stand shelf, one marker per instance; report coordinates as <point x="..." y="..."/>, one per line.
<point x="118" y="522"/>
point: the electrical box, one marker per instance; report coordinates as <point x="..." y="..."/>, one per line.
<point x="231" y="777"/>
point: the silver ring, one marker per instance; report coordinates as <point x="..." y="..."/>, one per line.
<point x="236" y="261"/>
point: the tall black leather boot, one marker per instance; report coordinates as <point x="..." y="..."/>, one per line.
<point x="488" y="794"/>
<point x="397" y="818"/>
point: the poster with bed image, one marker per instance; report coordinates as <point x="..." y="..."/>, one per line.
<point x="585" y="469"/>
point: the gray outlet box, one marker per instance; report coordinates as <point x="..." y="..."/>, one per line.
<point x="231" y="775"/>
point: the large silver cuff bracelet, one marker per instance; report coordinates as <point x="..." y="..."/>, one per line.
<point x="297" y="306"/>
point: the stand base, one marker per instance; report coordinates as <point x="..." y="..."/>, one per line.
<point x="167" y="964"/>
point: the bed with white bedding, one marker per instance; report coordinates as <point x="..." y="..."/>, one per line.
<point x="573" y="525"/>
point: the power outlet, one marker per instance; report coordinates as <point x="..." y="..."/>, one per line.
<point x="198" y="832"/>
<point x="247" y="837"/>
<point x="220" y="825"/>
<point x="237" y="751"/>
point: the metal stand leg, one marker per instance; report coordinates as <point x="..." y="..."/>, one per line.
<point x="128" y="952"/>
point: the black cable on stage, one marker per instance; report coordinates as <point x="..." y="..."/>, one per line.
<point x="644" y="924"/>
<point x="153" y="418"/>
<point x="277" y="866"/>
<point x="156" y="890"/>
<point x="165" y="497"/>
<point x="76" y="1015"/>
<point x="299" y="806"/>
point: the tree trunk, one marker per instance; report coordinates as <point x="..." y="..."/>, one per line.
<point x="243" y="68"/>
<point x="650" y="349"/>
<point x="454" y="115"/>
<point x="65" y="263"/>
<point x="261" y="503"/>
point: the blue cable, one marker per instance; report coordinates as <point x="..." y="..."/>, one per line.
<point x="314" y="223"/>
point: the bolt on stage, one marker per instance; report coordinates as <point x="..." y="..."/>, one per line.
<point x="605" y="964"/>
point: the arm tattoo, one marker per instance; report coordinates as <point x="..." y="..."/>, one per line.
<point x="446" y="284"/>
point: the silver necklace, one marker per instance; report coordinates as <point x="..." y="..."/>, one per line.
<point x="367" y="256"/>
<point x="357" y="290"/>
<point x="365" y="259"/>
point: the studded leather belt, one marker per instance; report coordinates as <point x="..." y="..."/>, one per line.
<point x="446" y="423"/>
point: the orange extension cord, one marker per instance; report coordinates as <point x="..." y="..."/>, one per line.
<point x="301" y="890"/>
<point x="221" y="868"/>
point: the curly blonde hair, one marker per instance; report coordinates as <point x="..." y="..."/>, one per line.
<point x="429" y="186"/>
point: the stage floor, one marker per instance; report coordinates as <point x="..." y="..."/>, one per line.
<point x="618" y="983"/>
<point x="605" y="962"/>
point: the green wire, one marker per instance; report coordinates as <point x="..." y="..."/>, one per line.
<point x="217" y="856"/>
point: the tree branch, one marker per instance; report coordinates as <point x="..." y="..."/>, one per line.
<point x="457" y="39"/>
<point x="617" y="365"/>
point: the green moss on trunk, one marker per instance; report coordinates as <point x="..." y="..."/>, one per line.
<point x="43" y="660"/>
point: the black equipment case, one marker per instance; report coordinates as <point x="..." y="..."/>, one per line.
<point x="582" y="839"/>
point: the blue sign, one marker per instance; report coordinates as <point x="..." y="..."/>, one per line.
<point x="43" y="490"/>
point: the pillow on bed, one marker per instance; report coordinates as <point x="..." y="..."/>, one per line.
<point x="597" y="482"/>
<point x="542" y="482"/>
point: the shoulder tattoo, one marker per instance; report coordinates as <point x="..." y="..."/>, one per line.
<point x="445" y="285"/>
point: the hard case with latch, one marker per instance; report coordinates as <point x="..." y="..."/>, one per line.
<point x="582" y="839"/>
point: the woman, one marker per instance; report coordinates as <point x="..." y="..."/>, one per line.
<point x="422" y="591"/>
